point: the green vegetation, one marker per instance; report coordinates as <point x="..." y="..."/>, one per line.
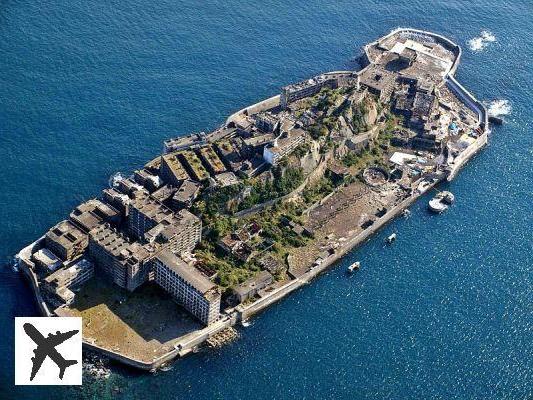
<point x="358" y="119"/>
<point x="285" y="180"/>
<point x="350" y="159"/>
<point x="317" y="191"/>
<point x="302" y="150"/>
<point x="327" y="98"/>
<point x="229" y="272"/>
<point x="318" y="130"/>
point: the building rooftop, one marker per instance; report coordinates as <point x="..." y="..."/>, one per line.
<point x="62" y="273"/>
<point x="376" y="78"/>
<point x="165" y="192"/>
<point x="260" y="280"/>
<point x="227" y="179"/>
<point x="110" y="239"/>
<point x="220" y="134"/>
<point x="173" y="163"/>
<point x="187" y="191"/>
<point x="92" y="213"/>
<point x="66" y="234"/>
<point x="195" y="165"/>
<point x="305" y="83"/>
<point x="171" y="226"/>
<point x="151" y="208"/>
<point x="187" y="272"/>
<point x="287" y="140"/>
<point x="48" y="259"/>
<point x="423" y="103"/>
<point x="259" y="140"/>
<point x="185" y="142"/>
<point x="211" y="159"/>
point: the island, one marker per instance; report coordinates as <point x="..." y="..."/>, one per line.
<point x="223" y="224"/>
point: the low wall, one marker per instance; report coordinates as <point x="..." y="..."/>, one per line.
<point x="263" y="105"/>
<point x="483" y="118"/>
<point x="469" y="100"/>
<point x="315" y="174"/>
<point x="27" y="267"/>
<point x="254" y="308"/>
<point x="191" y="341"/>
<point x="120" y="358"/>
<point x="468" y="153"/>
<point x="246" y="312"/>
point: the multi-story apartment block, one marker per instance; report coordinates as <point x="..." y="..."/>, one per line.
<point x="172" y="170"/>
<point x="284" y="145"/>
<point x="144" y="213"/>
<point x="126" y="264"/>
<point x="64" y="279"/>
<point x="306" y="88"/>
<point x="194" y="291"/>
<point x="180" y="233"/>
<point x="92" y="213"/>
<point x="66" y="240"/>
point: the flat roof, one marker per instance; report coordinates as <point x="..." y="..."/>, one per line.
<point x="185" y="271"/>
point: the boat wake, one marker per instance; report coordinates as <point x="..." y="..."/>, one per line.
<point x="480" y="42"/>
<point x="499" y="108"/>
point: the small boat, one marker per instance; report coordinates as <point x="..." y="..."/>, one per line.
<point x="391" y="238"/>
<point x="441" y="201"/>
<point x="437" y="205"/>
<point x="406" y="213"/>
<point x="354" y="266"/>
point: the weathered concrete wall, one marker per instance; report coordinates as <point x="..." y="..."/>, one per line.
<point x="245" y="312"/>
<point x="120" y="358"/>
<point x="466" y="155"/>
<point x="483" y="118"/>
<point x="189" y="342"/>
<point x="469" y="100"/>
<point x="312" y="177"/>
<point x="257" y="107"/>
<point x="27" y="267"/>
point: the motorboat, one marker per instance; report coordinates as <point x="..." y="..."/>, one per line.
<point x="354" y="266"/>
<point x="441" y="201"/>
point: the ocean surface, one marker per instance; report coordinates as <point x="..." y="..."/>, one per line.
<point x="89" y="88"/>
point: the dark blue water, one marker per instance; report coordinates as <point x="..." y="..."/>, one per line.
<point x="88" y="88"/>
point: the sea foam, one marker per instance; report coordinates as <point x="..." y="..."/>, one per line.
<point x="480" y="42"/>
<point x="499" y="108"/>
<point x="115" y="179"/>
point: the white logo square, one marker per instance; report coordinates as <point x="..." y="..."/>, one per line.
<point x="48" y="351"/>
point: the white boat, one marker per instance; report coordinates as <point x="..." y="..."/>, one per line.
<point x="391" y="238"/>
<point x="406" y="213"/>
<point x="437" y="205"/>
<point x="354" y="266"/>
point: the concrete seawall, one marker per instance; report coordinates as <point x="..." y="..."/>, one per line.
<point x="435" y="36"/>
<point x="263" y="105"/>
<point x="27" y="267"/>
<point x="192" y="341"/>
<point x="246" y="312"/>
<point x="483" y="118"/>
<point x="466" y="155"/>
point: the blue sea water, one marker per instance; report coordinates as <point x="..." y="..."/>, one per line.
<point x="88" y="88"/>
